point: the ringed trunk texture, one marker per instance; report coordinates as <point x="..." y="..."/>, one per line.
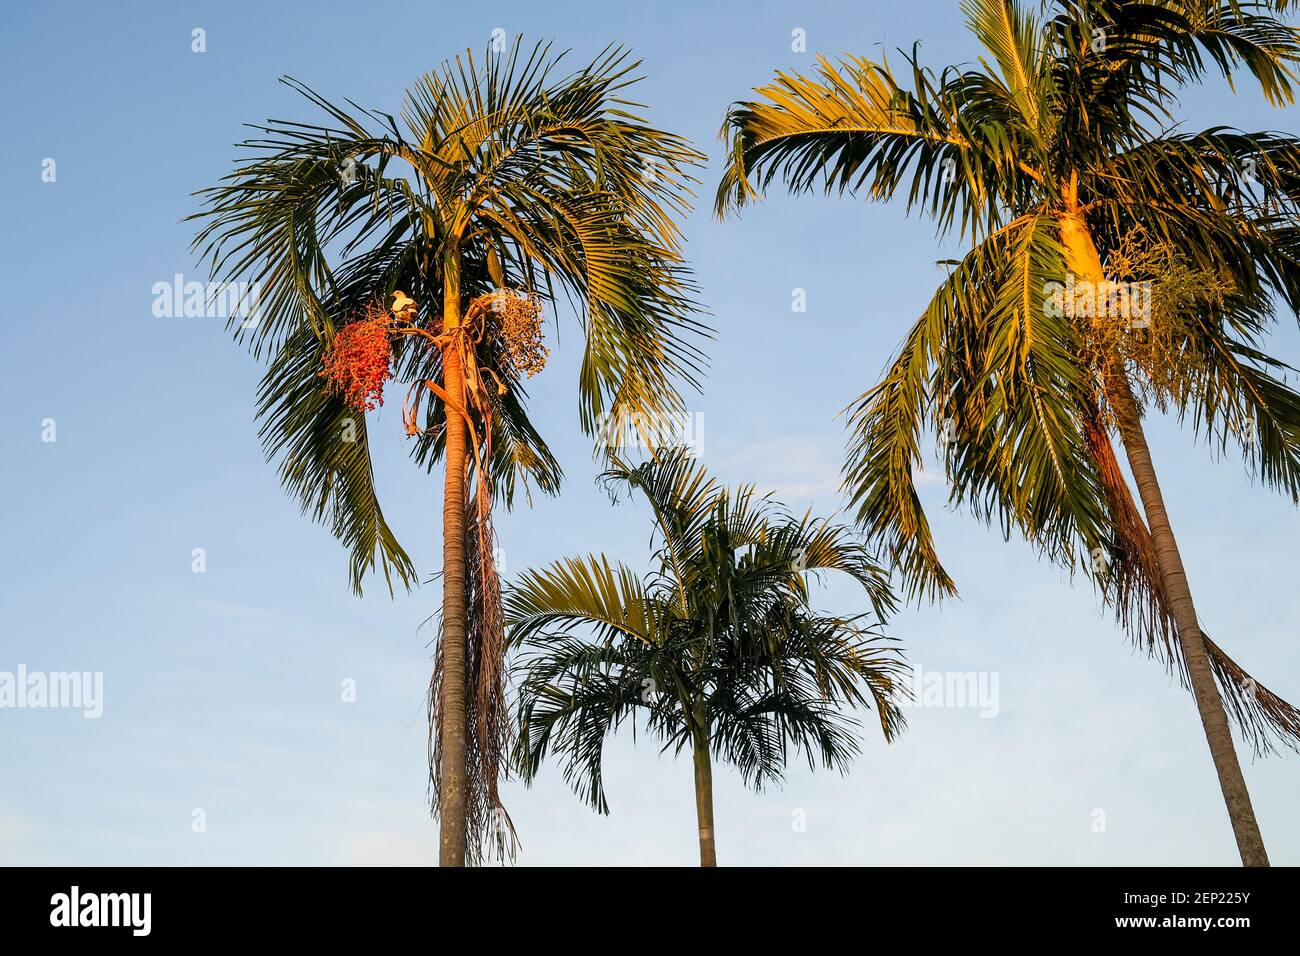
<point x="704" y="801"/>
<point x="451" y="705"/>
<point x="1083" y="259"/>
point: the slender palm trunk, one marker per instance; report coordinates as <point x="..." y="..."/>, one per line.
<point x="1083" y="260"/>
<point x="1208" y="701"/>
<point x="704" y="800"/>
<point x="451" y="705"/>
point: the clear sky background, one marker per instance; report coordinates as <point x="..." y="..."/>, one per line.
<point x="222" y="689"/>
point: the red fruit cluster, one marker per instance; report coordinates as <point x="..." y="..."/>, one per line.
<point x="356" y="364"/>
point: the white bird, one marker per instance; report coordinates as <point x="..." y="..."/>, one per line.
<point x="348" y="174"/>
<point x="402" y="306"/>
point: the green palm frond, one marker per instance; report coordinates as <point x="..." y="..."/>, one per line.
<point x="1012" y="37"/>
<point x="323" y="448"/>
<point x="718" y="644"/>
<point x="575" y="694"/>
<point x="1241" y="402"/>
<point x="1155" y="46"/>
<point x="850" y="128"/>
<point x="588" y="590"/>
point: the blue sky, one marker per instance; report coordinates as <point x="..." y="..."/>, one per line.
<point x="222" y="689"/>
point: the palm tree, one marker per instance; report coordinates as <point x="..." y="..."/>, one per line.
<point x="717" y="649"/>
<point x="505" y="186"/>
<point x="1057" y="162"/>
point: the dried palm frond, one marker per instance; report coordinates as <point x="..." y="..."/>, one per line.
<point x="489" y="825"/>
<point x="489" y="829"/>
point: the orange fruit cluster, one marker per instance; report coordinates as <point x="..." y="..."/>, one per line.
<point x="357" y="362"/>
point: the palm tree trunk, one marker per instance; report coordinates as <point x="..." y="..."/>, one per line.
<point x="451" y="704"/>
<point x="1083" y="259"/>
<point x="704" y="800"/>
<point x="1213" y="717"/>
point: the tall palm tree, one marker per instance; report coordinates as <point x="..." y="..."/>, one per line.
<point x="1057" y="161"/>
<point x="426" y="251"/>
<point x="718" y="649"/>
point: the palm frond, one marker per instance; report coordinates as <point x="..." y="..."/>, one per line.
<point x="718" y="646"/>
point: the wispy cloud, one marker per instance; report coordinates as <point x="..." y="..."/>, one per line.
<point x="795" y="468"/>
<point x="803" y="468"/>
<point x="928" y="479"/>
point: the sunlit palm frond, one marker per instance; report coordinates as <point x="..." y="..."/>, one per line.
<point x="588" y="590"/>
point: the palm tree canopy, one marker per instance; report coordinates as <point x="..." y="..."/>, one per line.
<point x="1062" y="137"/>
<point x="719" y="640"/>
<point x="517" y="175"/>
